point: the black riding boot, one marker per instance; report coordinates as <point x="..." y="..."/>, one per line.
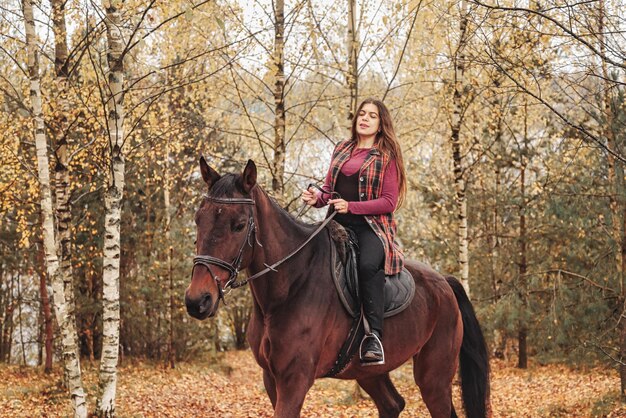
<point x="373" y="308"/>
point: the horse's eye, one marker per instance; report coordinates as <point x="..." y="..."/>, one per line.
<point x="239" y="227"/>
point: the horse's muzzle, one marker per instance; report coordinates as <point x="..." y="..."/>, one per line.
<point x="200" y="308"/>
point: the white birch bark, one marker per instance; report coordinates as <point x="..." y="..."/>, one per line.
<point x="459" y="181"/>
<point x="278" y="170"/>
<point x="64" y="315"/>
<point x="113" y="206"/>
<point x="353" y="45"/>
<point x="63" y="212"/>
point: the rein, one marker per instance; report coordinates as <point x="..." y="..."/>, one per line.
<point x="233" y="268"/>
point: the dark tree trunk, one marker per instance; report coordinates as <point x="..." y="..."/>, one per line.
<point x="45" y="310"/>
<point x="523" y="264"/>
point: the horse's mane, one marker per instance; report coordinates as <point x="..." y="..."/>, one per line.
<point x="338" y="234"/>
<point x="230" y="183"/>
<point x="284" y="212"/>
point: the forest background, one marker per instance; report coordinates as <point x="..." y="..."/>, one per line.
<point x="511" y="116"/>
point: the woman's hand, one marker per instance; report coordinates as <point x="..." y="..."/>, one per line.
<point x="341" y="206"/>
<point x="309" y="197"/>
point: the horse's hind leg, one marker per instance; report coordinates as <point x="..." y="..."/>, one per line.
<point x="385" y="396"/>
<point x="434" y="369"/>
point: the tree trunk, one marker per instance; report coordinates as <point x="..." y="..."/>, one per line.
<point x="3" y="311"/>
<point x="495" y="241"/>
<point x="113" y="208"/>
<point x="7" y="324"/>
<point x="21" y="318"/>
<point x="68" y="337"/>
<point x="278" y="169"/>
<point x="457" y="120"/>
<point x="171" y="355"/>
<point x="46" y="312"/>
<point x="614" y="179"/>
<point x="93" y="293"/>
<point x="616" y="201"/>
<point x="353" y="59"/>
<point x="522" y="362"/>
<point x="62" y="194"/>
<point x="11" y="323"/>
<point x="622" y="346"/>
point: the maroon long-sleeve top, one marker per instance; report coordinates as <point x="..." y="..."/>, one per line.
<point x="385" y="203"/>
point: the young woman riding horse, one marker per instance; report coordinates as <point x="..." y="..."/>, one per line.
<point x="368" y="173"/>
<point x="298" y="322"/>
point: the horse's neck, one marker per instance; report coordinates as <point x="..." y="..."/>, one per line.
<point x="279" y="234"/>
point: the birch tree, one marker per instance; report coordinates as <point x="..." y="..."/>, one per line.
<point x="459" y="93"/>
<point x="278" y="171"/>
<point x="167" y="182"/>
<point x="113" y="208"/>
<point x="353" y="60"/>
<point x="64" y="315"/>
<point x="62" y="190"/>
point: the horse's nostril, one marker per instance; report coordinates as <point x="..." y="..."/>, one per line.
<point x="205" y="304"/>
<point x="198" y="308"/>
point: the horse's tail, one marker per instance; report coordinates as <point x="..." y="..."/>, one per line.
<point x="474" y="358"/>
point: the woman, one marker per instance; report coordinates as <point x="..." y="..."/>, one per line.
<point x="368" y="173"/>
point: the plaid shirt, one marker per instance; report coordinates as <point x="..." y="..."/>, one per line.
<point x="370" y="187"/>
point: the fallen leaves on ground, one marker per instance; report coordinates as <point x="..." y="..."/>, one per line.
<point x="234" y="388"/>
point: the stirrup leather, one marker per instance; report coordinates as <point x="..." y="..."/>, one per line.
<point x="365" y="362"/>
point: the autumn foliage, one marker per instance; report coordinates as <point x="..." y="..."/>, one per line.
<point x="512" y="121"/>
<point x="233" y="388"/>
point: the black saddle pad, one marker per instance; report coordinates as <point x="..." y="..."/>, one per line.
<point x="399" y="289"/>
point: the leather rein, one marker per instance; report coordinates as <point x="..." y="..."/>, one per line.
<point x="234" y="267"/>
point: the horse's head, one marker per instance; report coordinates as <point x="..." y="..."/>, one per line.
<point x="224" y="238"/>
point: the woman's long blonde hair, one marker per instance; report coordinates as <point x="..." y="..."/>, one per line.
<point x="386" y="142"/>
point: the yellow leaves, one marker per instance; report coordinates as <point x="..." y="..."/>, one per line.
<point x="233" y="387"/>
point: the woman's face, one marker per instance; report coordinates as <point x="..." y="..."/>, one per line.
<point x="368" y="120"/>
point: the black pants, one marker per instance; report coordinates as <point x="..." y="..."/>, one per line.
<point x="371" y="274"/>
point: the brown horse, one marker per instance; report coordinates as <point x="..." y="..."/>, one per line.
<point x="299" y="324"/>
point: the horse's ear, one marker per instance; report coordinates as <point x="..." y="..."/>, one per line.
<point x="248" y="178"/>
<point x="209" y="175"/>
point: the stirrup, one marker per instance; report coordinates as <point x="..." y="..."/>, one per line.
<point x="365" y="362"/>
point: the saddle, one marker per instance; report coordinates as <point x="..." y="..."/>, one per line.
<point x="399" y="288"/>
<point x="399" y="291"/>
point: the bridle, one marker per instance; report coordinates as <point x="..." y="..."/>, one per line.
<point x="234" y="267"/>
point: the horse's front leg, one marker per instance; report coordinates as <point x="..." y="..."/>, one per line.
<point x="270" y="386"/>
<point x="293" y="363"/>
<point x="291" y="389"/>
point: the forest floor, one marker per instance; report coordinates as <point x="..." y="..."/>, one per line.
<point x="233" y="388"/>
